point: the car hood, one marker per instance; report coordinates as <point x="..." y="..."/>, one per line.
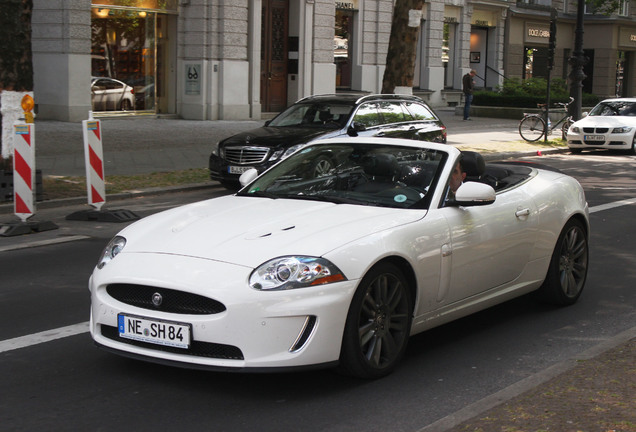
<point x="606" y="121"/>
<point x="250" y="230"/>
<point x="269" y="136"/>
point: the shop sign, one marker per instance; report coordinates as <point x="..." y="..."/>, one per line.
<point x="450" y="20"/>
<point x="627" y="37"/>
<point x="159" y="5"/>
<point x="193" y="78"/>
<point x="348" y="5"/>
<point x="537" y="33"/>
<point x="483" y="18"/>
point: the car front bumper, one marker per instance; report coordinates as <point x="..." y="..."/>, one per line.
<point x="257" y="329"/>
<point x="221" y="170"/>
<point x="617" y="141"/>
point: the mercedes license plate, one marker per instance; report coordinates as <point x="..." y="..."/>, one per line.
<point x="237" y="169"/>
<point x="154" y="331"/>
<point x="594" y="137"/>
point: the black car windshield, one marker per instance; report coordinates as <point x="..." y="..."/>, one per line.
<point x="321" y="115"/>
<point x="355" y="173"/>
<point x="614" y="108"/>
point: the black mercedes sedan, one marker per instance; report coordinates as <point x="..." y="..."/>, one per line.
<point x="321" y="117"/>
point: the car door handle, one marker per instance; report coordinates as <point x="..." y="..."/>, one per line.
<point x="523" y="212"/>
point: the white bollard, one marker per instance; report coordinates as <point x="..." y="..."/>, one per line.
<point x="94" y="160"/>
<point x="23" y="170"/>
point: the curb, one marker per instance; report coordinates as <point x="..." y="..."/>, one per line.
<point x="527" y="384"/>
<point x="68" y="202"/>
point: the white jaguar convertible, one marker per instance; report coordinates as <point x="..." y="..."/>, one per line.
<point x="312" y="268"/>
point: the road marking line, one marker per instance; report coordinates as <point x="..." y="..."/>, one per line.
<point x="45" y="336"/>
<point x="43" y="242"/>
<point x="612" y="205"/>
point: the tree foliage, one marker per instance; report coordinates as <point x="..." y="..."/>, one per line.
<point x="16" y="66"/>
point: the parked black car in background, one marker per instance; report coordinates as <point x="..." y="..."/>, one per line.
<point x="320" y="117"/>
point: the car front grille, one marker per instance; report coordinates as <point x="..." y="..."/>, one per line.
<point x="246" y="155"/>
<point x="600" y="130"/>
<point x="172" y="301"/>
<point x="197" y="348"/>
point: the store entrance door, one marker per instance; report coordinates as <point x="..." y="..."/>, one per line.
<point x="274" y="55"/>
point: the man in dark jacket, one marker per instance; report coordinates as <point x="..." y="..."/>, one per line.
<point x="468" y="86"/>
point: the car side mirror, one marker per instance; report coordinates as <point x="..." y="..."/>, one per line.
<point x="355" y="128"/>
<point x="474" y="194"/>
<point x="248" y="177"/>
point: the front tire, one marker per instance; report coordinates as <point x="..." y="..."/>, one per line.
<point x="568" y="267"/>
<point x="564" y="129"/>
<point x="531" y="128"/>
<point x="378" y="324"/>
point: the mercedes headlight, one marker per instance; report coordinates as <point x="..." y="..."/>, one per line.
<point x="293" y="272"/>
<point x="114" y="247"/>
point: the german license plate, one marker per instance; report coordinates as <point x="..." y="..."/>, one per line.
<point x="154" y="331"/>
<point x="237" y="169"/>
<point x="594" y="137"/>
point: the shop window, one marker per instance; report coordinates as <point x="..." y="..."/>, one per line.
<point x="123" y="49"/>
<point x="341" y="47"/>
<point x="620" y="74"/>
<point x="536" y="62"/>
<point x="448" y="53"/>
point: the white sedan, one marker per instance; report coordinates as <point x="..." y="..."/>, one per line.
<point x="302" y="270"/>
<point x="610" y="125"/>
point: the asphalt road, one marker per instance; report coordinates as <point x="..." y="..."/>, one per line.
<point x="68" y="384"/>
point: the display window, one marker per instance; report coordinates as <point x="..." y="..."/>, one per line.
<point x="125" y="59"/>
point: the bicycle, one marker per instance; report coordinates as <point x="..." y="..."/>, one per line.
<point x="532" y="126"/>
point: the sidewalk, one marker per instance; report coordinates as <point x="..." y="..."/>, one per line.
<point x="596" y="391"/>
<point x="140" y="145"/>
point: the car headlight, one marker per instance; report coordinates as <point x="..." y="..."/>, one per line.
<point x="215" y="149"/>
<point x="282" y="154"/>
<point x="575" y="129"/>
<point x="622" y="129"/>
<point x="293" y="272"/>
<point x="114" y="247"/>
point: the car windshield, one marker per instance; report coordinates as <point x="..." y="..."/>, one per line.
<point x="320" y="115"/>
<point x="614" y="108"/>
<point x="362" y="174"/>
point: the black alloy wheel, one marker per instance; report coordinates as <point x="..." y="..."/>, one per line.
<point x="568" y="267"/>
<point x="378" y="324"/>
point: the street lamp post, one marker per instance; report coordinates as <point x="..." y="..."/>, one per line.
<point x="577" y="61"/>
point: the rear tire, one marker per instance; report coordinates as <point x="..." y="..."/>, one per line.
<point x="568" y="267"/>
<point x="126" y="105"/>
<point x="531" y="128"/>
<point x="378" y="324"/>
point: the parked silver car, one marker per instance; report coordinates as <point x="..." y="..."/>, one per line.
<point x="109" y="94"/>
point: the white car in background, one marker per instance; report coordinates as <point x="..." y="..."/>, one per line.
<point x="609" y="125"/>
<point x="109" y="94"/>
<point x="302" y="268"/>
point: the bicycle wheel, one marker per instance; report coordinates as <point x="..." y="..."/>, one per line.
<point x="531" y="128"/>
<point x="564" y="129"/>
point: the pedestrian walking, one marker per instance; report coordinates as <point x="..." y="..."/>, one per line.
<point x="468" y="86"/>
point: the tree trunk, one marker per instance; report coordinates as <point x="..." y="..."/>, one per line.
<point x="400" y="60"/>
<point x="16" y="66"/>
<point x="16" y="63"/>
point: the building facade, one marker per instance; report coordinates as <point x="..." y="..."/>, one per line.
<point x="239" y="59"/>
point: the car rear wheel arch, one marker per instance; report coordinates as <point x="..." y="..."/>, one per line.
<point x="567" y="271"/>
